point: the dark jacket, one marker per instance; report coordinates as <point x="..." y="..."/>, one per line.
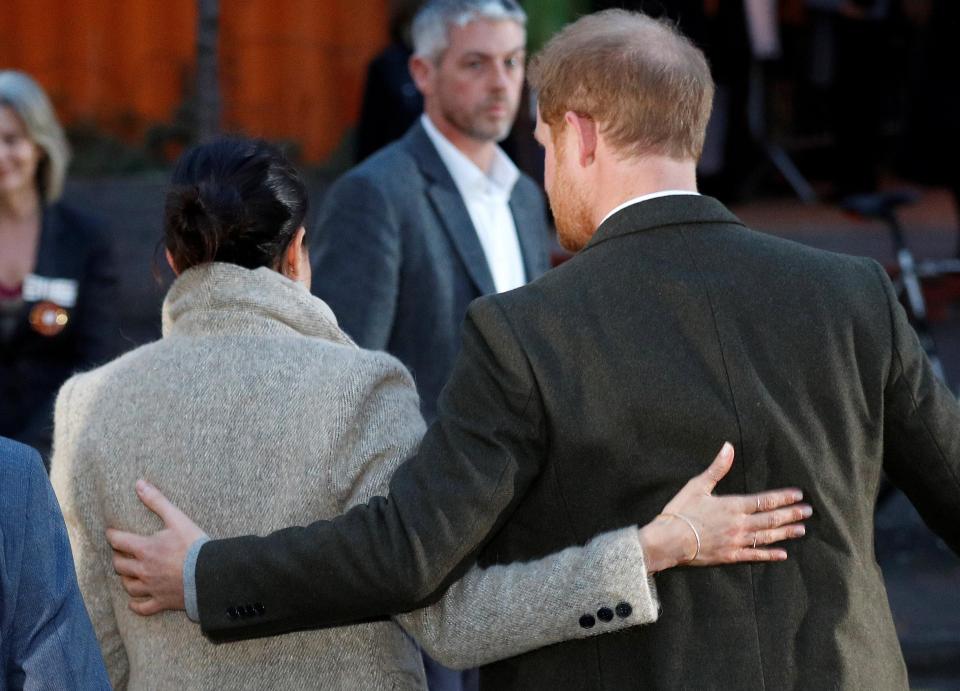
<point x="46" y="641"/>
<point x="585" y="400"/>
<point x="398" y="259"/>
<point x="33" y="365"/>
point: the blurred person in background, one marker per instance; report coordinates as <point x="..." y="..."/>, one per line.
<point x="46" y="641"/>
<point x="849" y="38"/>
<point x="391" y="101"/>
<point x="58" y="297"/>
<point x="256" y="411"/>
<point x="408" y="238"/>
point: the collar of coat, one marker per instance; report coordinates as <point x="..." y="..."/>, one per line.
<point x="219" y="298"/>
<point x="662" y="212"/>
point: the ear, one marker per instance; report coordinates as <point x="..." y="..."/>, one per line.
<point x="171" y="263"/>
<point x="295" y="259"/>
<point x="585" y="129"/>
<point x="422" y="70"/>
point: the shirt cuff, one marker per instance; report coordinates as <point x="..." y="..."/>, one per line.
<point x="190" y="578"/>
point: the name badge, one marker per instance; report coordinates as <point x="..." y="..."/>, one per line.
<point x="59" y="291"/>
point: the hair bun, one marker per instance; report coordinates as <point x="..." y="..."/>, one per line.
<point x="233" y="200"/>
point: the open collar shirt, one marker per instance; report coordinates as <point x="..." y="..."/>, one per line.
<point x="487" y="198"/>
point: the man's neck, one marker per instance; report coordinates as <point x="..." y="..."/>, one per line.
<point x="481" y="152"/>
<point x="620" y="181"/>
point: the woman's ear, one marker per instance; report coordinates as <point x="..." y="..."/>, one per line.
<point x="296" y="259"/>
<point x="171" y="263"/>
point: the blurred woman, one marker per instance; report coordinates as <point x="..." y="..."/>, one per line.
<point x="254" y="412"/>
<point x="58" y="302"/>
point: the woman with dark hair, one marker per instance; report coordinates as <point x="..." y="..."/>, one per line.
<point x="256" y="412"/>
<point x="58" y="306"/>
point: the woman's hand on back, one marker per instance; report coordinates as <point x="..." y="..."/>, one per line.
<point x="697" y="528"/>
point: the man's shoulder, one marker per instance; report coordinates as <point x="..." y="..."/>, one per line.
<point x="392" y="165"/>
<point x="814" y="263"/>
<point x="20" y="469"/>
<point x="16" y="459"/>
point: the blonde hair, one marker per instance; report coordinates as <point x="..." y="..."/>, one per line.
<point x="644" y="83"/>
<point x="28" y="100"/>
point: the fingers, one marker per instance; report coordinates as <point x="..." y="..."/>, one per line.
<point x="718" y="468"/>
<point x="769" y="537"/>
<point x="127" y="566"/>
<point x="128" y="543"/>
<point x="768" y="501"/>
<point x="775" y="519"/>
<point x="154" y="500"/>
<point x="751" y="554"/>
<point x="145" y="606"/>
<point x="135" y="587"/>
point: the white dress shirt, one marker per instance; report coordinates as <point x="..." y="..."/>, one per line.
<point x="487" y="198"/>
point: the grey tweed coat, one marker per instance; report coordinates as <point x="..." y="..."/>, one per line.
<point x="255" y="412"/>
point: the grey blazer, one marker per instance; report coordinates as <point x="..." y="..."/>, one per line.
<point x="398" y="260"/>
<point x="256" y="412"/>
<point x="586" y="399"/>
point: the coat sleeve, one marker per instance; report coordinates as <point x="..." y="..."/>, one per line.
<point x="505" y="610"/>
<point x="921" y="428"/>
<point x="400" y="552"/>
<point x="52" y="644"/>
<point x="75" y="484"/>
<point x="356" y="260"/>
<point x="501" y="611"/>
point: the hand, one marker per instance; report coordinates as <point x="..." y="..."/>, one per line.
<point x="151" y="568"/>
<point x="731" y="529"/>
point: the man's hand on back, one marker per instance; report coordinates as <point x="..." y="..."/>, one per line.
<point x="151" y="568"/>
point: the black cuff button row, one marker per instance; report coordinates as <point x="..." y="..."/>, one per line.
<point x="605" y="614"/>
<point x="246" y="611"/>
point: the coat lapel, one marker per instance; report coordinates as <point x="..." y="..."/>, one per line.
<point x="450" y="209"/>
<point x="525" y="218"/>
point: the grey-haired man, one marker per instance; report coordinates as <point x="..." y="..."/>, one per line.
<point x="410" y="237"/>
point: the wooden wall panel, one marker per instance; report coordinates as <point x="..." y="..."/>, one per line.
<point x="121" y="65"/>
<point x="290" y="69"/>
<point x="294" y="69"/>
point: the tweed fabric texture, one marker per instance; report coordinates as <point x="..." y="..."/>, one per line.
<point x="253" y="413"/>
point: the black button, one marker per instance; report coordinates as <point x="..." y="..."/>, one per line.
<point x="259" y="607"/>
<point x="232" y="613"/>
<point x="587" y="621"/>
<point x="605" y="614"/>
<point x="624" y="610"/>
<point x="249" y="611"/>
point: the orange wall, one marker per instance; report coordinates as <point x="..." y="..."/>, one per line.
<point x="290" y="69"/>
